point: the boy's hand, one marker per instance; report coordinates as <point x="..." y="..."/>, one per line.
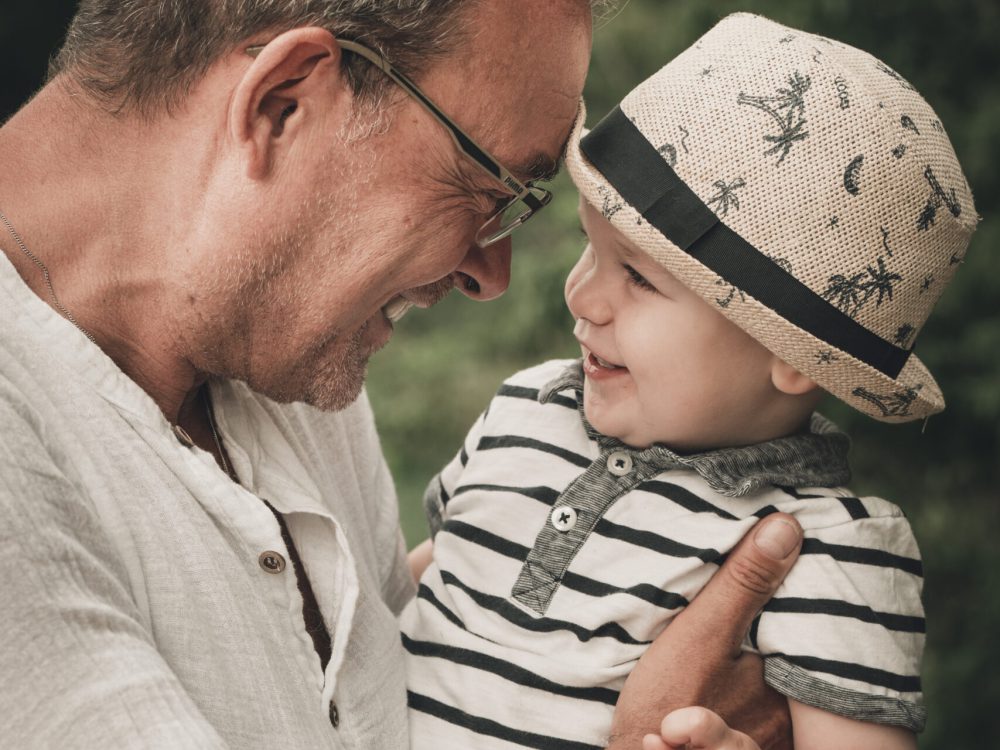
<point x="697" y="728"/>
<point x="697" y="660"/>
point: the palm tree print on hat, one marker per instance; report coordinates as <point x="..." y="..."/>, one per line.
<point x="893" y="74"/>
<point x="611" y="205"/>
<point x="885" y="240"/>
<point x="668" y="152"/>
<point x="908" y="123"/>
<point x="726" y="197"/>
<point x="787" y="109"/>
<point x="937" y="197"/>
<point x="903" y="334"/>
<point x="851" y="294"/>
<point x="895" y="404"/>
<point x="826" y="357"/>
<point x="852" y="175"/>
<point x="733" y="291"/>
<point x="899" y="151"/>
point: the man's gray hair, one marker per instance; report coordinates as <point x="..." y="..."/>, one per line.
<point x="144" y="55"/>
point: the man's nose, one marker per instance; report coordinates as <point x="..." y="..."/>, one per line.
<point x="484" y="273"/>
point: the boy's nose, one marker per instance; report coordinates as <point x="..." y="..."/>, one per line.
<point x="587" y="297"/>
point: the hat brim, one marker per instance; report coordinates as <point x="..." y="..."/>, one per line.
<point x="912" y="394"/>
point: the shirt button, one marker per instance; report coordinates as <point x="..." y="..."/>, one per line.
<point x="619" y="463"/>
<point x="564" y="518"/>
<point x="271" y="561"/>
<point x="181" y="434"/>
<point x="334" y="715"/>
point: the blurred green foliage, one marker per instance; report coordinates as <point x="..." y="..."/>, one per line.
<point x="443" y="365"/>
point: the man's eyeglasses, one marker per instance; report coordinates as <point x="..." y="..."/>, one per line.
<point x="526" y="199"/>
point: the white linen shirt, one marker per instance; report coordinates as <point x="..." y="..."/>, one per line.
<point x="136" y="608"/>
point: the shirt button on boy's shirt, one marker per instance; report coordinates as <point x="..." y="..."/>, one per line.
<point x="334" y="715"/>
<point x="564" y="518"/>
<point x="619" y="463"/>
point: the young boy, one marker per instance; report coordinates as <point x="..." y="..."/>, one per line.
<point x="770" y="217"/>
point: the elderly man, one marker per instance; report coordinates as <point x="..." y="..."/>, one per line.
<point x="212" y="215"/>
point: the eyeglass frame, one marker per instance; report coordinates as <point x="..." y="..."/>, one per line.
<point x="533" y="196"/>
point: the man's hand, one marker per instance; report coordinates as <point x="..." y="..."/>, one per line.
<point x="697" y="660"/>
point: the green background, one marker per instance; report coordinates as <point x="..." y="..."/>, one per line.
<point x="442" y="366"/>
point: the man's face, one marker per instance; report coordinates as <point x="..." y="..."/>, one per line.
<point x="660" y="364"/>
<point x="391" y="218"/>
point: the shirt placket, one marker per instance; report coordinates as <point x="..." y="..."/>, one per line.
<point x="574" y="516"/>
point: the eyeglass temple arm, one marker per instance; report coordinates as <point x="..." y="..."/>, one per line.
<point x="463" y="141"/>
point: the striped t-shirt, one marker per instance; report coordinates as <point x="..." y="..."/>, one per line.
<point x="560" y="554"/>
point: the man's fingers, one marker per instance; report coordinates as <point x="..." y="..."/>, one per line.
<point x="748" y="579"/>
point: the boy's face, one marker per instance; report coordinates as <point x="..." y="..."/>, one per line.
<point x="660" y="364"/>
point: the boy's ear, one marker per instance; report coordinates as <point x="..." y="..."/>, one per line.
<point x="288" y="83"/>
<point x="789" y="380"/>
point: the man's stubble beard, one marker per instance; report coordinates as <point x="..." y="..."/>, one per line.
<point x="328" y="374"/>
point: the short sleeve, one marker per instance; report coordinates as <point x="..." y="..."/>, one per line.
<point x="845" y="632"/>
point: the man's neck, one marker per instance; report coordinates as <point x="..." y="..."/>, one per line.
<point x="88" y="204"/>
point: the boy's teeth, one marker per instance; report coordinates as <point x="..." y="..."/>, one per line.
<point x="603" y="363"/>
<point x="396" y="308"/>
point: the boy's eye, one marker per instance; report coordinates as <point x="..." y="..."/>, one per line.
<point x="637" y="278"/>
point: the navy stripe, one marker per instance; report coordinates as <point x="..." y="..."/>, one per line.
<point x="837" y="608"/>
<point x="520" y="618"/>
<point x="490" y="728"/>
<point x="754" y="630"/>
<point x="646" y="181"/>
<point x="506" y="670"/>
<point x="684" y="498"/>
<point x="493" y="442"/>
<point x="518" y="391"/>
<point x="851" y="671"/>
<point x="645" y="591"/>
<point x="424" y="592"/>
<point x="486" y="539"/>
<point x="545" y="495"/>
<point x="855" y="508"/>
<point x="655" y="542"/>
<point x="531" y="394"/>
<point x="443" y="495"/>
<point x="463" y="457"/>
<point x="581" y="584"/>
<point x="862" y="556"/>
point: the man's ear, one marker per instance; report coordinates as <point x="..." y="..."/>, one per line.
<point x="285" y="86"/>
<point x="789" y="380"/>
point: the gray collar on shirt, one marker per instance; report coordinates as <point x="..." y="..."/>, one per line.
<point x="817" y="458"/>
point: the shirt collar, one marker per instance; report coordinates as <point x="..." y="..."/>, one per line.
<point x="817" y="458"/>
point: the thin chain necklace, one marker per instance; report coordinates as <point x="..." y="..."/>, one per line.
<point x="48" y="279"/>
<point x="215" y="435"/>
<point x="69" y="316"/>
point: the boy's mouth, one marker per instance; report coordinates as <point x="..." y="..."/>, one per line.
<point x="604" y="363"/>
<point x="594" y="365"/>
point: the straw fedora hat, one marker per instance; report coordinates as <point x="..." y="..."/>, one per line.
<point x="804" y="189"/>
